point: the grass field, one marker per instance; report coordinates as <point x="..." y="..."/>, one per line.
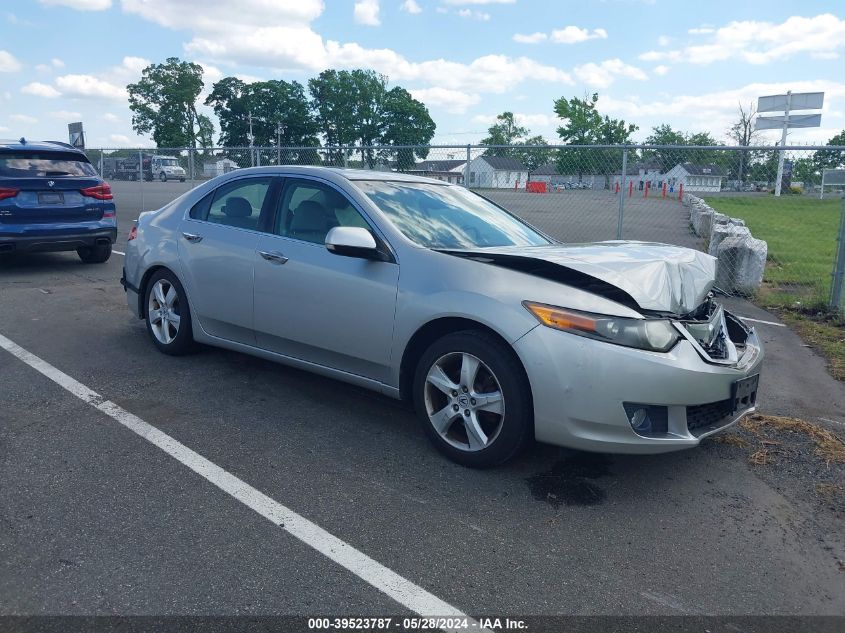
<point x="801" y="235"/>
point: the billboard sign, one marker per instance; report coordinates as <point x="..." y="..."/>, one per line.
<point x="799" y="101"/>
<point x="76" y="135"/>
<point x="793" y="120"/>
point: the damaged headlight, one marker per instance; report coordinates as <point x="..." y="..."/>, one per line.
<point x="655" y="335"/>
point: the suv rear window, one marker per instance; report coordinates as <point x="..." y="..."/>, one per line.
<point x="44" y="164"/>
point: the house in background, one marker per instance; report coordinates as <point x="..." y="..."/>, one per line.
<point x="695" y="177"/>
<point x="218" y="168"/>
<point x="497" y="172"/>
<point x="640" y="173"/>
<point x="451" y="171"/>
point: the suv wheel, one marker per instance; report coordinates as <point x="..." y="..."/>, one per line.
<point x="473" y="399"/>
<point x="167" y="314"/>
<point x="94" y="254"/>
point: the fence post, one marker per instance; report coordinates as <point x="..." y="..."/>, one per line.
<point x="836" y="291"/>
<point x="141" y="175"/>
<point x="466" y="168"/>
<point x="622" y="197"/>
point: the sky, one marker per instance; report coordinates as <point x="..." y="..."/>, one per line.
<point x="688" y="64"/>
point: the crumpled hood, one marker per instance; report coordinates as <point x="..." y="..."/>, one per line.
<point x="658" y="277"/>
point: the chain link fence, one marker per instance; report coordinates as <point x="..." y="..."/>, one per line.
<point x="785" y="249"/>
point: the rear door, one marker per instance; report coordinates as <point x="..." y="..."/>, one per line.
<point x="217" y="245"/>
<point x="49" y="188"/>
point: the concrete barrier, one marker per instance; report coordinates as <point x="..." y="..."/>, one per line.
<point x="742" y="262"/>
<point x="722" y="231"/>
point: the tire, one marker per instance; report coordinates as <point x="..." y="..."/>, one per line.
<point x="94" y="254"/>
<point x="181" y="180"/>
<point x="162" y="177"/>
<point x="505" y="422"/>
<point x="169" y="336"/>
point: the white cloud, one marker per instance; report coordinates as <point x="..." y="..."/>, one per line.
<point x="574" y="35"/>
<point x="89" y="87"/>
<point x="4" y="128"/>
<point x="475" y="15"/>
<point x="43" y="68"/>
<point x="111" y="118"/>
<point x="463" y="2"/>
<point x="81" y="5"/>
<point x="661" y="70"/>
<point x="664" y="40"/>
<point x="411" y="6"/>
<point x="761" y="42"/>
<point x="366" y="12"/>
<point x="8" y="63"/>
<point x="134" y="65"/>
<point x="38" y="89"/>
<point x="68" y="115"/>
<point x="205" y="15"/>
<point x="57" y="63"/>
<point x="532" y="38"/>
<point x="120" y="139"/>
<point x="23" y="118"/>
<point x="605" y="73"/>
<point x="453" y="101"/>
<point x="702" y="30"/>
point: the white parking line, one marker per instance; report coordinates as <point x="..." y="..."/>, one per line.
<point x="759" y="321"/>
<point x="832" y="421"/>
<point x="385" y="580"/>
<point x="118" y="252"/>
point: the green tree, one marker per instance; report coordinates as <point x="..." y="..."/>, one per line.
<point x="504" y="132"/>
<point x="406" y="121"/>
<point x="744" y="133"/>
<point x="164" y="103"/>
<point x="354" y="107"/>
<point x="584" y="125"/>
<point x="664" y="134"/>
<point x="832" y="158"/>
<point x="280" y="113"/>
<point x="534" y="157"/>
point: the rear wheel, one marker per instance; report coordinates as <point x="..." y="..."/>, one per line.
<point x="168" y="316"/>
<point x="94" y="254"/>
<point x="473" y="399"/>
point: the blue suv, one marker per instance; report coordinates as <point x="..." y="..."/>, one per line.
<point x="52" y="199"/>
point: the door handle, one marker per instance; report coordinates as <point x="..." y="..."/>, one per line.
<point x="192" y="237"/>
<point x="273" y="256"/>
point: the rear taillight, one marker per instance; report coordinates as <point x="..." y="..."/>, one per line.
<point x="133" y="233"/>
<point x="7" y="192"/>
<point x="100" y="192"/>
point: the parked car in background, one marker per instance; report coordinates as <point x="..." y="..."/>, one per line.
<point x="52" y="199"/>
<point x="428" y="292"/>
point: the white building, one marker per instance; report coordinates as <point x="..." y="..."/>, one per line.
<point x="695" y="177"/>
<point x="451" y="171"/>
<point x="497" y="172"/>
<point x="218" y="168"/>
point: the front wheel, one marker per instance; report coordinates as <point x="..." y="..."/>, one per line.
<point x="473" y="399"/>
<point x="94" y="254"/>
<point x="168" y="315"/>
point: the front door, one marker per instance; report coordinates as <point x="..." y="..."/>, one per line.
<point x="312" y="305"/>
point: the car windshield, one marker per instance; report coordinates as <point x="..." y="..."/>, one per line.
<point x="169" y="162"/>
<point x="44" y="164"/>
<point x="442" y="216"/>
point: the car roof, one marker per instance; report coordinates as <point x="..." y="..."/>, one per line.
<point x="339" y="173"/>
<point x="41" y="146"/>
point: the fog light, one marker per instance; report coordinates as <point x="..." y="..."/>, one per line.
<point x="647" y="419"/>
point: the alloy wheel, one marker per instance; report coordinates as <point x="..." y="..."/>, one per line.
<point x="163" y="311"/>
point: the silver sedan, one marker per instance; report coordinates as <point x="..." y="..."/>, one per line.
<point x="427" y="292"/>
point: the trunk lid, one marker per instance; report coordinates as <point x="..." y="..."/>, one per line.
<point x="50" y="199"/>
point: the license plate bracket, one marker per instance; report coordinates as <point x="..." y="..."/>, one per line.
<point x="744" y="392"/>
<point x="51" y="197"/>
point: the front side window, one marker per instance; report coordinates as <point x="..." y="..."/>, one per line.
<point x="308" y="210"/>
<point x="444" y="216"/>
<point x="35" y="164"/>
<point x="235" y="204"/>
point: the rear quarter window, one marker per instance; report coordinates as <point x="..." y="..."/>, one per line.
<point x="24" y="164"/>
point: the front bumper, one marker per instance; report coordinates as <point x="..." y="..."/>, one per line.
<point x="51" y="240"/>
<point x="579" y="386"/>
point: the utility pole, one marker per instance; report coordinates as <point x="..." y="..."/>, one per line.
<point x="783" y="143"/>
<point x="251" y="150"/>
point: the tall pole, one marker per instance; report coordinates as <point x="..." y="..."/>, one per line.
<point x="783" y="143"/>
<point x="251" y="150"/>
<point x="466" y="167"/>
<point x="836" y="292"/>
<point x="622" y="193"/>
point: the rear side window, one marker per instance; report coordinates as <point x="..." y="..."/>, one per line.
<point x="235" y="204"/>
<point x="24" y="164"/>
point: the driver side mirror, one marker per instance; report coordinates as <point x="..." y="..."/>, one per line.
<point x="353" y="241"/>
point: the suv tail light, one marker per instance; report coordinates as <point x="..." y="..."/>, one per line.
<point x="6" y="192"/>
<point x="100" y="192"/>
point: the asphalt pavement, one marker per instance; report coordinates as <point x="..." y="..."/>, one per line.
<point x="96" y="519"/>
